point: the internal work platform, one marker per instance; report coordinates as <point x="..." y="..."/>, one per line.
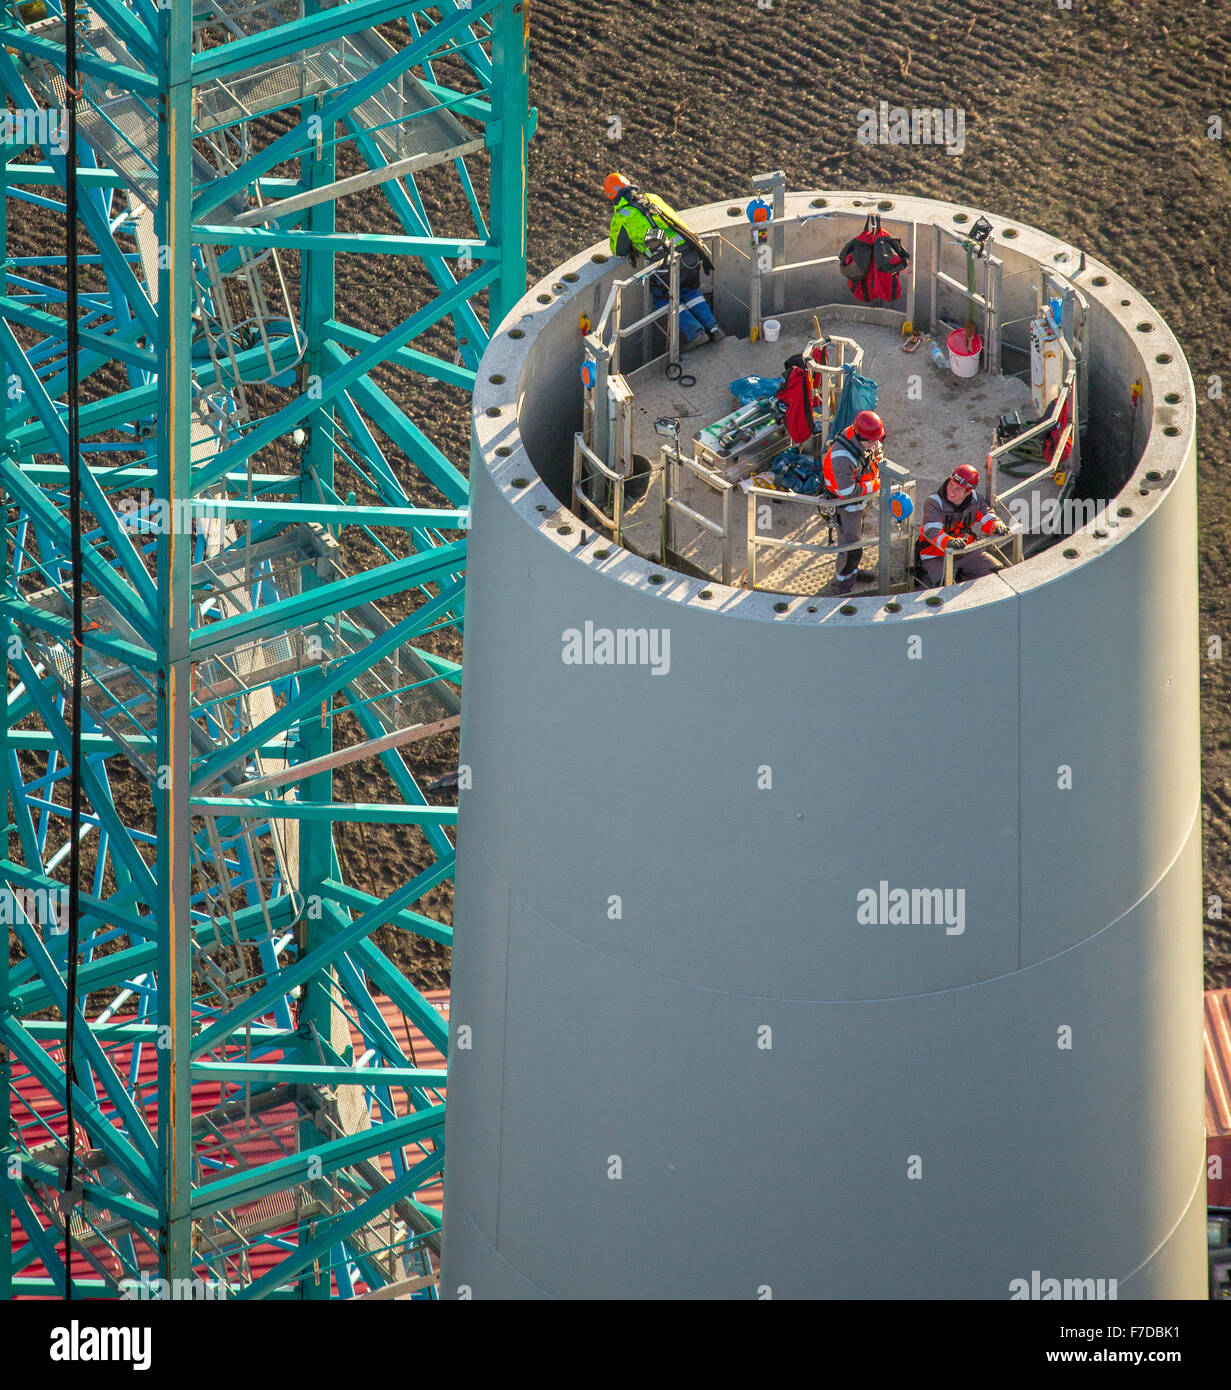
<point x="969" y="363"/>
<point x="933" y="422"/>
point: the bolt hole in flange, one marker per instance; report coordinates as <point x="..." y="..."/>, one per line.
<point x="1163" y="358"/>
<point x="893" y="607"/>
<point x="934" y="601"/>
<point x="503" y="451"/>
<point x="520" y="482"/>
<point x="706" y="593"/>
<point x="781" y="607"/>
<point x="1071" y="554"/>
<point x="848" y="609"/>
<point x="658" y="579"/>
<point x="1100" y="281"/>
<point x="1154" y="476"/>
<point x="1124" y="511"/>
<point x="1173" y="398"/>
<point x="1171" y="431"/>
<point x="1008" y="234"/>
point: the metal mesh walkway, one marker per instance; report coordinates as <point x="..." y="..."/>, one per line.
<point x="406" y="121"/>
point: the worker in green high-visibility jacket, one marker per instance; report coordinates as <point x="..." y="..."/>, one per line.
<point x="643" y="225"/>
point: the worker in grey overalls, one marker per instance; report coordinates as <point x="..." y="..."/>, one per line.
<point x="851" y="469"/>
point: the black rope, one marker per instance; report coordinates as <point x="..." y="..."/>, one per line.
<point x="74" y="505"/>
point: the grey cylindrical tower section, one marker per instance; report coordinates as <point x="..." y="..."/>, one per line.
<point x="691" y="1066"/>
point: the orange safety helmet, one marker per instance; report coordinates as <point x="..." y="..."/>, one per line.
<point x="614" y="185"/>
<point x="869" y="426"/>
<point x="965" y="475"/>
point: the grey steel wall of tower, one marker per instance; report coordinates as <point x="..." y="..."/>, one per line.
<point x="617" y="1124"/>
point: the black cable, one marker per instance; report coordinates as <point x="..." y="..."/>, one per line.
<point x="74" y="504"/>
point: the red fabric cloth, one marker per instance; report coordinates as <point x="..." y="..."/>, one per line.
<point x="796" y="395"/>
<point x="885" y="259"/>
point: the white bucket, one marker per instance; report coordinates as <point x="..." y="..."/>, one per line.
<point x="771" y="328"/>
<point x="963" y="356"/>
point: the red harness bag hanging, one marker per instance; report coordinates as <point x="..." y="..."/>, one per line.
<point x="889" y="259"/>
<point x="855" y="260"/>
<point x="796" y="394"/>
<point x="873" y="262"/>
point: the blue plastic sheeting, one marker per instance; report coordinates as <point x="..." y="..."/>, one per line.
<point x="858" y="393"/>
<point x="798" y="472"/>
<point x="754" y="388"/>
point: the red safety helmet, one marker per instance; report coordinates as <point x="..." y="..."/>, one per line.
<point x="614" y="185"/>
<point x="965" y="475"/>
<point x="869" y="426"/>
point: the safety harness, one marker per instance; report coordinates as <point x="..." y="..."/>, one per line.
<point x="873" y="262"/>
<point x="656" y="213"/>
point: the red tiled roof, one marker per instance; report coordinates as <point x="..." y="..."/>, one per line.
<point x="35" y="1113"/>
<point x="1218" y="1093"/>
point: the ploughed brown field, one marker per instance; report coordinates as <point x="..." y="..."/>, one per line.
<point x="1094" y="122"/>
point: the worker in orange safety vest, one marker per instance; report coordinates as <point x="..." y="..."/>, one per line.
<point x="850" y="469"/>
<point x="952" y="516"/>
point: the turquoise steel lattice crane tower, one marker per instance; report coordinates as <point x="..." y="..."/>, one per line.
<point x="271" y="537"/>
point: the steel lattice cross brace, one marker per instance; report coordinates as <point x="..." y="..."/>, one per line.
<point x="271" y="538"/>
